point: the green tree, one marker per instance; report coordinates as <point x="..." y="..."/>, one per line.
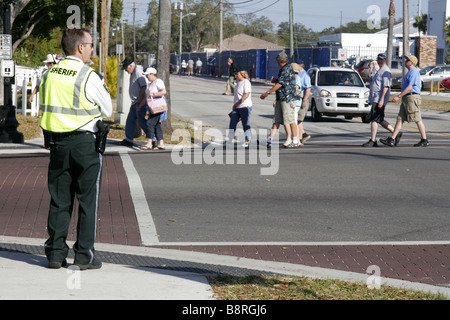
<point x="301" y="33"/>
<point x="38" y="18"/>
<point x="421" y="23"/>
<point x="447" y="31"/>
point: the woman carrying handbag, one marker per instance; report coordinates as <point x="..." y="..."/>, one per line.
<point x="242" y="107"/>
<point x="156" y="109"/>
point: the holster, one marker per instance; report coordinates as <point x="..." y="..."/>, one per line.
<point x="48" y="139"/>
<point x="100" y="136"/>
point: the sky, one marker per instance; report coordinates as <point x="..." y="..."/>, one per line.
<point x="314" y="14"/>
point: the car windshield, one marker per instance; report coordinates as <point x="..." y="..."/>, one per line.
<point x="426" y="69"/>
<point x="339" y="78"/>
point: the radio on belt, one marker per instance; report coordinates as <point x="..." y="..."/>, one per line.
<point x="7" y="68"/>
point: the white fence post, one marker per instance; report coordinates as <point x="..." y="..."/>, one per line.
<point x="24" y="76"/>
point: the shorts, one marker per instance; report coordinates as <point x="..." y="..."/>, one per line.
<point x="410" y="108"/>
<point x="284" y="112"/>
<point x="302" y="112"/>
<point x="297" y="108"/>
<point x="376" y="114"/>
<point x="277" y="113"/>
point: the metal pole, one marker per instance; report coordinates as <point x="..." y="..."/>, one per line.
<point x="291" y="30"/>
<point x="134" y="32"/>
<point x="10" y="123"/>
<point x="220" y="38"/>
<point x="104" y="35"/>
<point x="94" y="33"/>
<point x="123" y="40"/>
<point x="181" y="28"/>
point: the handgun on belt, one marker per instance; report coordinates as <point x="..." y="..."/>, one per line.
<point x="100" y="136"/>
<point x="48" y="139"/>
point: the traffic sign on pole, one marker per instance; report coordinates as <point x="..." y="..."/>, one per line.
<point x="5" y="46"/>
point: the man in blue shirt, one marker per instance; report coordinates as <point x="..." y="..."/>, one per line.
<point x="284" y="87"/>
<point x="306" y="87"/>
<point x="410" y="107"/>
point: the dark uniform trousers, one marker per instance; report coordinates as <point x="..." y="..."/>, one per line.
<point x="75" y="169"/>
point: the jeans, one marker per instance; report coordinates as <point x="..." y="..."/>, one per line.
<point x="153" y="127"/>
<point x="133" y="116"/>
<point x="244" y="114"/>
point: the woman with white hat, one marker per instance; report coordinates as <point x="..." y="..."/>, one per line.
<point x="49" y="62"/>
<point x="157" y="90"/>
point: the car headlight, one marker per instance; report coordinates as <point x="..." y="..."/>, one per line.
<point x="325" y="93"/>
<point x="366" y="94"/>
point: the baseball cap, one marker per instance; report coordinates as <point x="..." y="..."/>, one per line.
<point x="411" y="58"/>
<point x="381" y="56"/>
<point x="126" y="63"/>
<point x="149" y="70"/>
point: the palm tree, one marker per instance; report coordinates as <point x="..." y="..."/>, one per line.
<point x="390" y="31"/>
<point x="447" y="37"/>
<point x="447" y="29"/>
<point x="421" y="23"/>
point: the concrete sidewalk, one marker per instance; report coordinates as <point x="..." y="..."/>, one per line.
<point x="174" y="271"/>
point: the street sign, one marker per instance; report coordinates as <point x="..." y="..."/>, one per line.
<point x="5" y="46"/>
<point x="342" y="54"/>
<point x="7" y="68"/>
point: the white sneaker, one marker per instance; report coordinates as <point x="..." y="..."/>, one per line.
<point x="246" y="144"/>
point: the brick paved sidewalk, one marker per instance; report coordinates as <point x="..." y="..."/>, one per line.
<point x="24" y="203"/>
<point x="416" y="263"/>
<point x="24" y="200"/>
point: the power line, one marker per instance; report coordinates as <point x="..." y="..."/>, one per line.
<point x="243" y="14"/>
<point x="245" y="3"/>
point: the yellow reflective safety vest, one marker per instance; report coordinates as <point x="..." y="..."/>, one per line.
<point x="63" y="97"/>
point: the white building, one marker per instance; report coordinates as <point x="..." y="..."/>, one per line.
<point x="369" y="45"/>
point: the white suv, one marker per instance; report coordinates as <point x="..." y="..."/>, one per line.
<point x="338" y="91"/>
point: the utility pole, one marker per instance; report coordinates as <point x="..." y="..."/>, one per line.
<point x="104" y="53"/>
<point x="134" y="28"/>
<point x="123" y="39"/>
<point x="181" y="27"/>
<point x="291" y="30"/>
<point x="163" y="59"/>
<point x="220" y="38"/>
<point x="94" y="35"/>
<point x="405" y="31"/>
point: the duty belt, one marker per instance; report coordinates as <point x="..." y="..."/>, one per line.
<point x="58" y="136"/>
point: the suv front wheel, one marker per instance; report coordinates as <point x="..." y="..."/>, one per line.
<point x="365" y="118"/>
<point x="315" y="114"/>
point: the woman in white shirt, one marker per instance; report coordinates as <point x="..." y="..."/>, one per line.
<point x="242" y="106"/>
<point x="157" y="90"/>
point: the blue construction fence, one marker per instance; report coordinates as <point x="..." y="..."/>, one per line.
<point x="259" y="63"/>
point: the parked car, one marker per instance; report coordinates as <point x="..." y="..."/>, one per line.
<point x="396" y="73"/>
<point x="446" y="83"/>
<point x="431" y="73"/>
<point x="396" y="70"/>
<point x="338" y="91"/>
<point x="435" y="74"/>
<point x="363" y="69"/>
